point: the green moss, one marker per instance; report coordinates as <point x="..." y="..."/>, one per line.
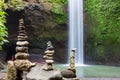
<point x="14" y="4"/>
<point x="104" y="24"/>
<point x="59" y="1"/>
<point x="58" y="8"/>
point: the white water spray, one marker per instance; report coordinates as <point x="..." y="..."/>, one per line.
<point x="76" y="29"/>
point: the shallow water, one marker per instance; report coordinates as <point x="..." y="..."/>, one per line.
<point x="94" y="70"/>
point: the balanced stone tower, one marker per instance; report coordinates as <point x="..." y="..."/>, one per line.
<point x="72" y="61"/>
<point x="71" y="71"/>
<point x="45" y="72"/>
<point x="21" y="63"/>
<point x="22" y="55"/>
<point x="22" y="49"/>
<point x="48" y="56"/>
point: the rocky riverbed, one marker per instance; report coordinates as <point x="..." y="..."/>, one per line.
<point x="2" y="77"/>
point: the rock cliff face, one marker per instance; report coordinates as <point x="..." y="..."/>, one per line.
<point x="40" y="27"/>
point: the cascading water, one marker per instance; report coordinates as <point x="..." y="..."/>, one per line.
<point x="76" y="29"/>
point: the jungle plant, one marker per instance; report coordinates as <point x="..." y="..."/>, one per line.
<point x="3" y="29"/>
<point x="59" y="1"/>
<point x="58" y="8"/>
<point x="105" y="25"/>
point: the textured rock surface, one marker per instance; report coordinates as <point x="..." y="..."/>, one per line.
<point x="40" y="27"/>
<point x="40" y="21"/>
<point x="37" y="73"/>
<point x="11" y="71"/>
<point x="23" y="65"/>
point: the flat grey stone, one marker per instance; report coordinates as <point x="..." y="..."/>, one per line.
<point x="37" y="73"/>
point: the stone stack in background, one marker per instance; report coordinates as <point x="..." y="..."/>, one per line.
<point x="48" y="56"/>
<point x="45" y="72"/>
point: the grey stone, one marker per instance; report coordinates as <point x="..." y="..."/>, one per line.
<point x="23" y="65"/>
<point x="22" y="43"/>
<point x="21" y="38"/>
<point x="68" y="74"/>
<point x="49" y="61"/>
<point x="47" y="67"/>
<point x="22" y="49"/>
<point x="37" y="73"/>
<point x="21" y="56"/>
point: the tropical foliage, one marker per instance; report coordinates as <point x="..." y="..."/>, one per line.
<point x="59" y="1"/>
<point x="11" y="4"/>
<point x="104" y="27"/>
<point x="3" y="29"/>
<point x="58" y="8"/>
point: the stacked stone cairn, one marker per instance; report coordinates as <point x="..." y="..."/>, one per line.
<point x="72" y="61"/>
<point x="21" y="62"/>
<point x="48" y="56"/>
<point x="45" y="72"/>
<point x="71" y="71"/>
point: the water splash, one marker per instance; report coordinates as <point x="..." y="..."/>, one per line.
<point x="76" y="29"/>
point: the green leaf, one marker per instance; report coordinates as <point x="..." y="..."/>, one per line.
<point x="3" y="29"/>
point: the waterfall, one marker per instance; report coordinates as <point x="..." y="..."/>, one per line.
<point x="76" y="29"/>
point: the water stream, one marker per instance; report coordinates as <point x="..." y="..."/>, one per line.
<point x="76" y="29"/>
<point x="94" y="71"/>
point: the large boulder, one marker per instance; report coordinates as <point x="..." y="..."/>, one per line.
<point x="37" y="73"/>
